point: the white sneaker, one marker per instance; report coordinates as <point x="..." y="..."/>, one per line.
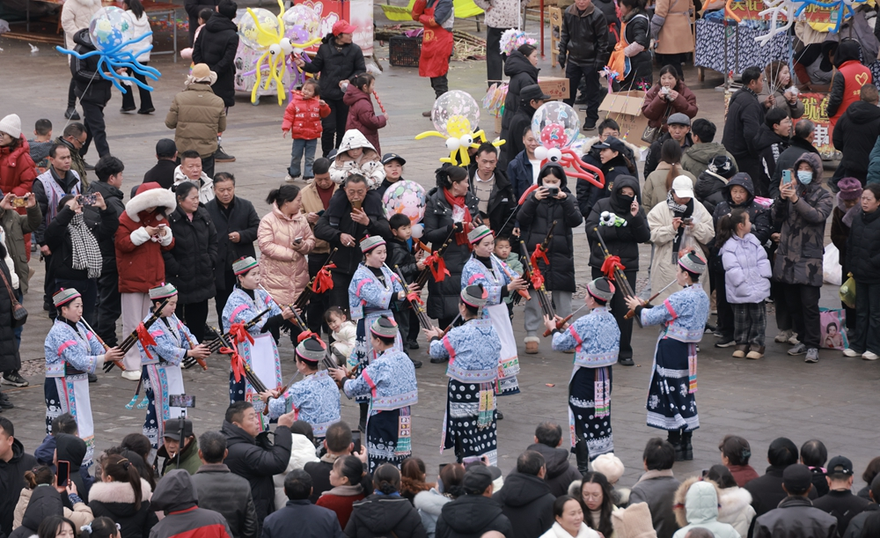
<point x="783" y="337"/>
<point x="870" y="356"/>
<point x="132" y="375"/>
<point x="847" y="352"/>
<point x="290" y="179"/>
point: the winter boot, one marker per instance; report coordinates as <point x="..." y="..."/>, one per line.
<point x="582" y="455"/>
<point x="674" y="438"/>
<point x="687" y="449"/>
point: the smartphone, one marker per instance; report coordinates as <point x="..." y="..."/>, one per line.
<point x="552" y="192"/>
<point x="181" y="400"/>
<point x="62" y="474"/>
<point x="786" y="177"/>
<point x="19" y="201"/>
<point x="471" y="459"/>
<point x="320" y="213"/>
<point x="356" y="441"/>
<point x="86" y="199"/>
<point x="687" y="221"/>
<point x="298" y="240"/>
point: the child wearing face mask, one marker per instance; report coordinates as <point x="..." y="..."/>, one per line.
<point x="747" y="282"/>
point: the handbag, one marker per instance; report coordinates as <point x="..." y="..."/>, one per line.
<point x="651" y="134"/>
<point x="19" y="313"/>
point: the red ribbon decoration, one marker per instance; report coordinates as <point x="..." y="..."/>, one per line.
<point x="303" y="335"/>
<point x="239" y="333"/>
<point x="413" y="297"/>
<point x="610" y="264"/>
<point x="323" y="280"/>
<point x="437" y="265"/>
<point x="537" y="278"/>
<point x="237" y="363"/>
<point x="145" y="338"/>
<point x="539" y="254"/>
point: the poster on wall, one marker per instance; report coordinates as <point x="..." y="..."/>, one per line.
<point x="357" y="12"/>
<point x="814" y="110"/>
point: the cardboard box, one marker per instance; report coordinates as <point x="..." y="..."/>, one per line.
<point x="556" y="87"/>
<point x="626" y="109"/>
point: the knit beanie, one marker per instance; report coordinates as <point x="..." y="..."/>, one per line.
<point x="11" y="125"/>
<point x="609" y="465"/>
<point x="850" y="188"/>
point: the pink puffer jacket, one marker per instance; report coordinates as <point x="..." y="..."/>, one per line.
<point x="284" y="271"/>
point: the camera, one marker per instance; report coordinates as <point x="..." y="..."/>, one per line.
<point x="19" y="201"/>
<point x="552" y="192"/>
<point x="181" y="400"/>
<point x="86" y="199"/>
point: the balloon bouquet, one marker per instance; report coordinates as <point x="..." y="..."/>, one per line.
<point x="556" y="126"/>
<point x="112" y="35"/>
<point x="261" y="30"/>
<point x="455" y="116"/>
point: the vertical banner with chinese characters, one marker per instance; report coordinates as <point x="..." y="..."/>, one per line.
<point x="814" y="110"/>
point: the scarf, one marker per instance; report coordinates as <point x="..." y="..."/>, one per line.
<point x="461" y="237"/>
<point x="679" y="210"/>
<point x="86" y="253"/>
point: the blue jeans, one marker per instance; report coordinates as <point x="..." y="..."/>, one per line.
<point x="301" y="148"/>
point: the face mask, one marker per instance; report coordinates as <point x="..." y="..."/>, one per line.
<point x="805" y="177"/>
<point x="626" y="200"/>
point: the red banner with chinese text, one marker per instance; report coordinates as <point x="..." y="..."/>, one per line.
<point x="814" y="110"/>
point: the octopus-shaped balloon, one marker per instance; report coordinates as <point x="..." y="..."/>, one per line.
<point x="111" y="33"/>
<point x="556" y="125"/>
<point x="455" y="116"/>
<point x="263" y="31"/>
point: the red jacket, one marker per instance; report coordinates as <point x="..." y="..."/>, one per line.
<point x="303" y="117"/>
<point x="139" y="261"/>
<point x="17" y="169"/>
<point x="340" y="504"/>
<point x="855" y="75"/>
<point x="361" y="115"/>
<point x="655" y="106"/>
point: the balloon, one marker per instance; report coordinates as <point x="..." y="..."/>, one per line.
<point x="418" y="230"/>
<point x="109" y="28"/>
<point x="301" y="24"/>
<point x="250" y="24"/>
<point x="407" y="197"/>
<point x="555" y="124"/>
<point x="455" y="113"/>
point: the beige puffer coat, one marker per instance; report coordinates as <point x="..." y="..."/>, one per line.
<point x="197" y="115"/>
<point x="76" y="15"/>
<point x="283" y="271"/>
<point x="80" y="515"/>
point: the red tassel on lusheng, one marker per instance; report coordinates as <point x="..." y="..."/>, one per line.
<point x="145" y="338"/>
<point x="239" y="333"/>
<point x="236" y="362"/>
<point x="323" y="280"/>
<point x="437" y="265"/>
<point x="539" y="254"/>
<point x="610" y="264"/>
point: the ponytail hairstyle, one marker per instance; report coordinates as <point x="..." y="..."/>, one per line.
<point x="727" y="226"/>
<point x="670" y="153"/>
<point x="350" y="467"/>
<point x="101" y="527"/>
<point x="447" y="174"/>
<point x="526" y="49"/>
<point x="451" y="479"/>
<point x="120" y="469"/>
<point x="138" y="444"/>
<point x="413" y="479"/>
<point x="386" y="479"/>
<point x="362" y="81"/>
<point x="282" y="195"/>
<point x="135" y="6"/>
<point x="631" y="166"/>
<point x="41" y="474"/>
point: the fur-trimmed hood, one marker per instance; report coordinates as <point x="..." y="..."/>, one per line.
<point x="150" y="195"/>
<point x="698" y="504"/>
<point x="733" y="500"/>
<point x="118" y="492"/>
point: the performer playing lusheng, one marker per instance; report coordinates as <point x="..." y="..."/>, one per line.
<point x="315" y="399"/>
<point x="596" y="341"/>
<point x="72" y="352"/>
<point x="260" y="351"/>
<point x="370" y="293"/>
<point x="473" y="350"/>
<point x="390" y="380"/>
<point x="170" y="342"/>
<point x="499" y="280"/>
<point x="672" y="405"/>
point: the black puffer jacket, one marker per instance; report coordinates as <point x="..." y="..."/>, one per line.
<point x="9" y="356"/>
<point x="855" y="134"/>
<point x="443" y="297"/>
<point x="241" y="217"/>
<point x="709" y="190"/>
<point x="101" y="223"/>
<point x="216" y="46"/>
<point x="12" y="471"/>
<point x="521" y="121"/>
<point x="528" y="504"/>
<point x="347" y="257"/>
<point x="584" y="42"/>
<point x="116" y="501"/>
<point x="335" y="63"/>
<point x="90" y="86"/>
<point x="190" y="264"/>
<point x="863" y="248"/>
<point x="769" y="146"/>
<point x="745" y="115"/>
<point x="536" y="218"/>
<point x="798" y="147"/>
<point x="470" y="516"/>
<point x="522" y="73"/>
<point x="560" y="473"/>
<point x="73" y="449"/>
<point x="45" y="502"/>
<point x="588" y="194"/>
<point x="622" y="241"/>
<point x="385" y="515"/>
<point x="113" y="197"/>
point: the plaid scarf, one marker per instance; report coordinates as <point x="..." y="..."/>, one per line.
<point x="86" y="253"/>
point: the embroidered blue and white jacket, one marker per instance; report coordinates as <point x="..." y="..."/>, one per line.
<point x="594" y="337"/>
<point x="390" y="380"/>
<point x="240" y="308"/>
<point x="173" y="340"/>
<point x="65" y="346"/>
<point x="473" y="350"/>
<point x="683" y="314"/>
<point x="366" y="291"/>
<point x="316" y="399"/>
<point x="493" y="281"/>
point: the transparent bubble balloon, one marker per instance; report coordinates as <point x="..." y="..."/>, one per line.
<point x="247" y="29"/>
<point x="109" y="28"/>
<point x="301" y="24"/>
<point x="555" y="125"/>
<point x="455" y="114"/>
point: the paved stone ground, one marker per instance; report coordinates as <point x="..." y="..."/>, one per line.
<point x="760" y="400"/>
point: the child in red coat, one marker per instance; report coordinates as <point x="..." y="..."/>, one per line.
<point x="303" y="119"/>
<point x="361" y="115"/>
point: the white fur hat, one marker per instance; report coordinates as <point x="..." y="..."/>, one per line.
<point x="610" y="466"/>
<point x="11" y="125"/>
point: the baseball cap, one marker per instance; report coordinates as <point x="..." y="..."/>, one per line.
<point x="533" y="92"/>
<point x="797" y="478"/>
<point x="342" y="26"/>
<point x="839" y="465"/>
<point x="166" y="148"/>
<point x="611" y="143"/>
<point x="476" y="479"/>
<point x="683" y="187"/>
<point x="388" y="157"/>
<point x="172" y="428"/>
<point x="678" y="119"/>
